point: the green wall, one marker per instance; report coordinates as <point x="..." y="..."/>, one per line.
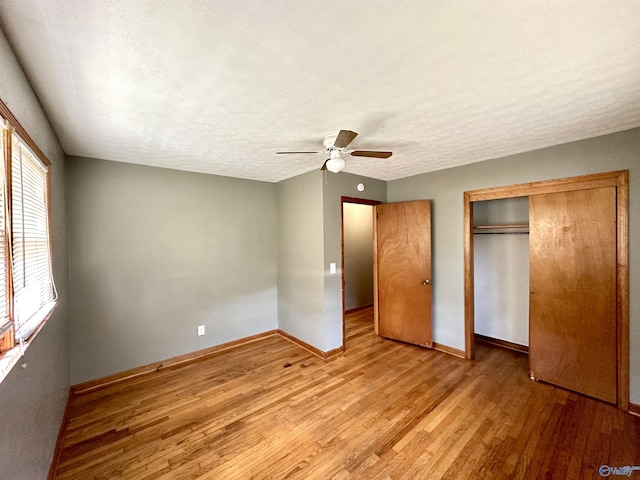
<point x="300" y="258"/>
<point x="155" y="253"/>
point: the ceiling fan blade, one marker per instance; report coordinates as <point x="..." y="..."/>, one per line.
<point x="368" y="153"/>
<point x="324" y="165"/>
<point x="285" y="153"/>
<point x="345" y="137"/>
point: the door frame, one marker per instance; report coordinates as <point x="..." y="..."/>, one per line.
<point x="619" y="179"/>
<point x="360" y="201"/>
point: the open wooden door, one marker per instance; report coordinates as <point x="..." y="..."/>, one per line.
<point x="403" y="271"/>
<point x="573" y="339"/>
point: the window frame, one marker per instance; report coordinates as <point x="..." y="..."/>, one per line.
<point x="10" y="350"/>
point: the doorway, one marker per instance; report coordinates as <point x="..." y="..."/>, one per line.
<point x="357" y="239"/>
<point x="619" y="182"/>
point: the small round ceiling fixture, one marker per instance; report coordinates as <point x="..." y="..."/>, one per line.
<point x="360" y="187"/>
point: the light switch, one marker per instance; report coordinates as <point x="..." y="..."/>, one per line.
<point x="332" y="268"/>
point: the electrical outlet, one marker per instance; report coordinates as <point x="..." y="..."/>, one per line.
<point x="200" y="330"/>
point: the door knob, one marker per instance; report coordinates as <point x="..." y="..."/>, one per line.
<point x="426" y="282"/>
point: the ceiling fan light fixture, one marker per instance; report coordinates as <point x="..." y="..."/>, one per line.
<point x="336" y="144"/>
<point x="336" y="163"/>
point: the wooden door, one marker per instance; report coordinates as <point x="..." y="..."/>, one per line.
<point x="572" y="325"/>
<point x="403" y="266"/>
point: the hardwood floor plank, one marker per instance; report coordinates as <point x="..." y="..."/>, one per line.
<point x="382" y="410"/>
<point x="463" y="465"/>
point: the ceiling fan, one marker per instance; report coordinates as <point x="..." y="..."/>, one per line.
<point x="335" y="146"/>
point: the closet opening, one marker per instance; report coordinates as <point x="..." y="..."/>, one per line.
<point x="501" y="272"/>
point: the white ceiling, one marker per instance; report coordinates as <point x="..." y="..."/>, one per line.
<point x="220" y="86"/>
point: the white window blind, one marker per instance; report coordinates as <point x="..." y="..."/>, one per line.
<point x="5" y="320"/>
<point x="31" y="257"/>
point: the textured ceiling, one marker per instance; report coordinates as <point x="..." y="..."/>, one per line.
<point x="220" y="86"/>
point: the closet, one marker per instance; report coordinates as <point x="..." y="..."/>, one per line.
<point x="501" y="268"/>
<point x="576" y="305"/>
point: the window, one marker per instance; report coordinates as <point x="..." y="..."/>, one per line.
<point x="27" y="290"/>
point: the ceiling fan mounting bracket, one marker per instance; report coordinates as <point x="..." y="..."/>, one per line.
<point x="328" y="140"/>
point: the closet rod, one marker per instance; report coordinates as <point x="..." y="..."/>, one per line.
<point x="501" y="233"/>
<point x="494" y="227"/>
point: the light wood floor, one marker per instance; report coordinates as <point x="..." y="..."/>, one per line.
<point x="383" y="410"/>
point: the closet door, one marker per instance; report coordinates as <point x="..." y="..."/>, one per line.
<point x="572" y="324"/>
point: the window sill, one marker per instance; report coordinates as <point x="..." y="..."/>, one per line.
<point x="10" y="358"/>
